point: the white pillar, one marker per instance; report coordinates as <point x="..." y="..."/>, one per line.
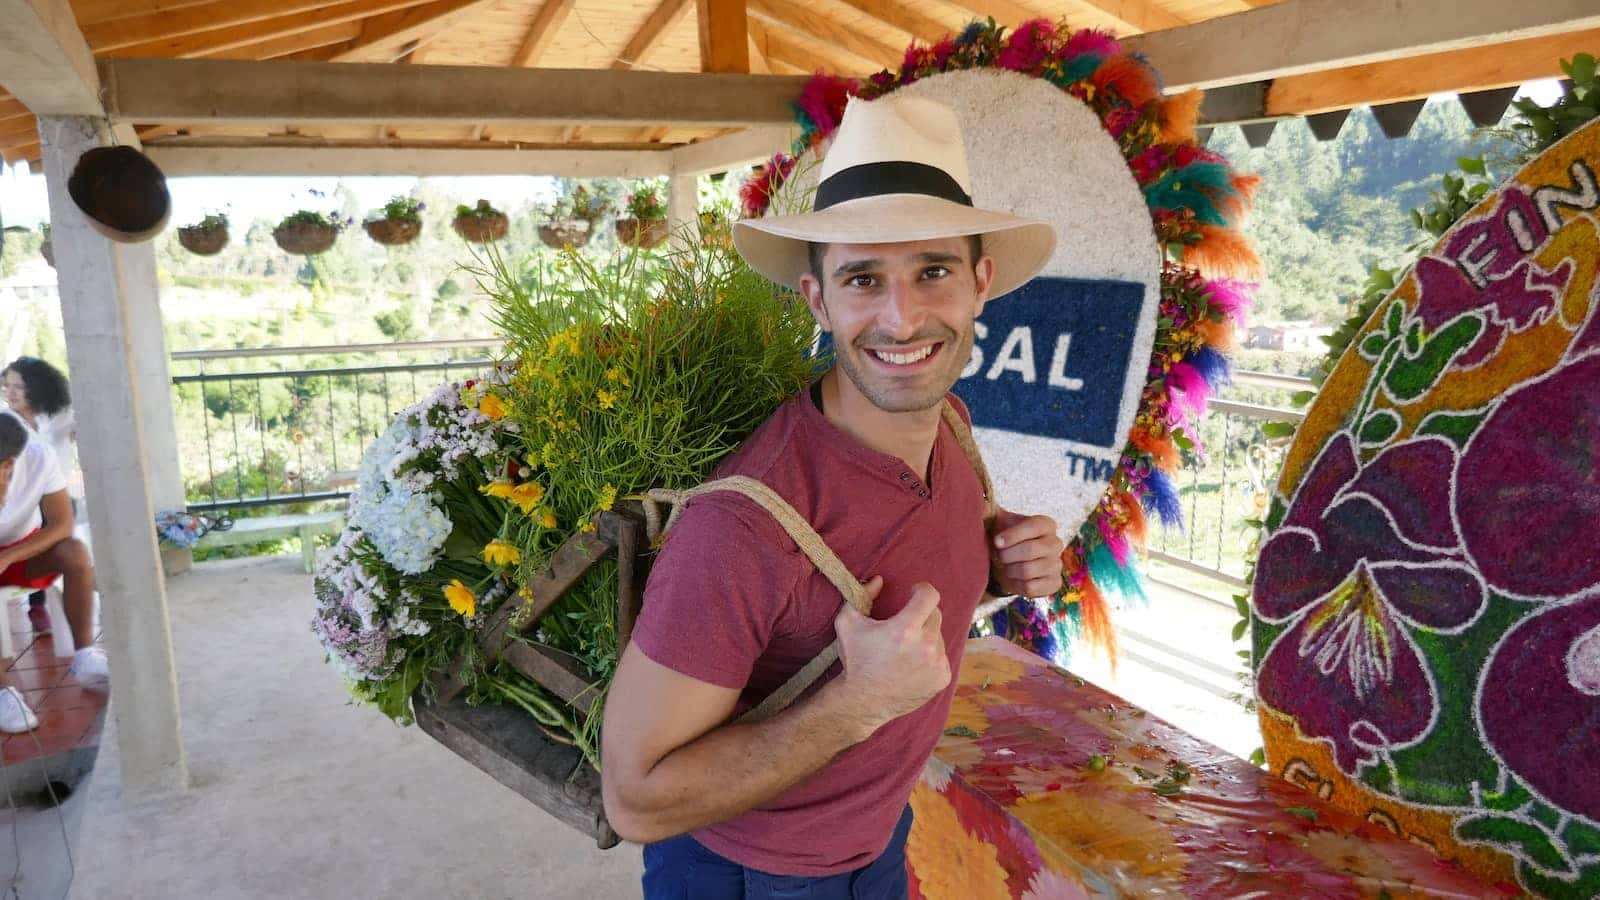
<point x="683" y="205"/>
<point x="108" y="309"/>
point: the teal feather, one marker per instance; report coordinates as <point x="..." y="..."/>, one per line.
<point x="1105" y="571"/>
<point x="1193" y="187"/>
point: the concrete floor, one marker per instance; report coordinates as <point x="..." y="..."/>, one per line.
<point x="298" y="794"/>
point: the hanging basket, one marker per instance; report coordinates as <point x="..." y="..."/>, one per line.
<point x="121" y="192"/>
<point x="304" y="238"/>
<point x="482" y="225"/>
<point x="393" y="232"/>
<point x="203" y="241"/>
<point x="567" y="233"/>
<point x="646" y="234"/>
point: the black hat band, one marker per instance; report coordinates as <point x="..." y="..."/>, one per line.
<point x="891" y="177"/>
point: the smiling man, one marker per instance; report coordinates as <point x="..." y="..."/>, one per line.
<point x="896" y="264"/>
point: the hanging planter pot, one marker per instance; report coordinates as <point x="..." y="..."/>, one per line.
<point x="400" y="223"/>
<point x="307" y="233"/>
<point x="645" y="234"/>
<point x="121" y="193"/>
<point x="206" y="237"/>
<point x="480" y="224"/>
<point x="564" y="233"/>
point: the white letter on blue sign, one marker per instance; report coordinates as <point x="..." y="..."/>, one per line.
<point x="1058" y="366"/>
<point x="1020" y="343"/>
<point x="975" y="360"/>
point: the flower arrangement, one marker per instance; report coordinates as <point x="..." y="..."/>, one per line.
<point x="177" y="528"/>
<point x="645" y="225"/>
<point x="480" y="224"/>
<point x="307" y="232"/>
<point x="206" y="237"/>
<point x="1196" y="204"/>
<point x="400" y="222"/>
<point x="646" y="203"/>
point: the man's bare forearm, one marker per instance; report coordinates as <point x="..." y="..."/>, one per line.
<point x="737" y="767"/>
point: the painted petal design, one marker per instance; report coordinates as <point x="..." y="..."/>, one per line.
<point x="1411" y="481"/>
<point x="1332" y="470"/>
<point x="1541" y="722"/>
<point x="1292" y="574"/>
<point x="1350" y="675"/>
<point x="1442" y="597"/>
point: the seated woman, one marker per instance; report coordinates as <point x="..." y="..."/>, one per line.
<point x="36" y="393"/>
<point x="36" y="542"/>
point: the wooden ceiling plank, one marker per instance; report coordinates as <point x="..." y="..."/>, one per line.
<point x="1132" y="16"/>
<point x="758" y="59"/>
<point x="904" y="17"/>
<point x="794" y="17"/>
<point x="93" y="12"/>
<point x="661" y="19"/>
<point x="724" y="36"/>
<point x="1006" y="12"/>
<point x="292" y="44"/>
<point x="419" y="23"/>
<point x="220" y="40"/>
<point x="1300" y="37"/>
<point x="541" y="31"/>
<point x="181" y="91"/>
<point x="194" y="19"/>
<point x="44" y="61"/>
<point x="787" y="51"/>
<point x="1477" y="69"/>
<point x="413" y="158"/>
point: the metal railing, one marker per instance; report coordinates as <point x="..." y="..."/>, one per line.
<point x="1225" y="484"/>
<point x="264" y="436"/>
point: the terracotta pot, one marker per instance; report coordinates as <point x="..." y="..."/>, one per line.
<point x="646" y="234"/>
<point x="304" y="238"/>
<point x="393" y="232"/>
<point x="121" y="193"/>
<point x="203" y="241"/>
<point x="481" y="229"/>
<point x="569" y="233"/>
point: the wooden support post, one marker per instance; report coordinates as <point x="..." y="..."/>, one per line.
<point x="683" y="206"/>
<point x="106" y="288"/>
<point x="724" y="36"/>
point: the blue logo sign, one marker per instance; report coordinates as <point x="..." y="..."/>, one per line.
<point x="1051" y="359"/>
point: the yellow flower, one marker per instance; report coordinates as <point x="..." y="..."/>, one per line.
<point x="617" y="376"/>
<point x="608" y="496"/>
<point x="492" y="406"/>
<point x="527" y="496"/>
<point x="469" y="396"/>
<point x="531" y="461"/>
<point x="545" y="517"/>
<point x="500" y="553"/>
<point x="607" y="398"/>
<point x="949" y="860"/>
<point x="501" y="489"/>
<point x="460" y="597"/>
<point x="587" y="527"/>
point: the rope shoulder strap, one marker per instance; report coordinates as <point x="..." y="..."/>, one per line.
<point x="810" y="543"/>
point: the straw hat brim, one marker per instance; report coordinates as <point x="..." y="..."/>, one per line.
<point x="777" y="246"/>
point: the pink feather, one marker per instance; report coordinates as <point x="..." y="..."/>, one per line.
<point x="1232" y="298"/>
<point x="1116" y="542"/>
<point x="1189" y="389"/>
<point x="1090" y="40"/>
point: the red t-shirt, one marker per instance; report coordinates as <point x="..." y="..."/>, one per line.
<point x="732" y="601"/>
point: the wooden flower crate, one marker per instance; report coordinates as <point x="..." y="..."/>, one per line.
<point x="504" y="741"/>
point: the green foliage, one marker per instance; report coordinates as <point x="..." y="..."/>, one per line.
<point x="211" y="221"/>
<point x="646" y="203"/>
<point x="311" y="217"/>
<point x="396" y="324"/>
<point x="402" y="208"/>
<point x="480" y="211"/>
<point x="1539" y="127"/>
<point x="1458" y="192"/>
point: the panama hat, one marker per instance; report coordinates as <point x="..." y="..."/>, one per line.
<point x="897" y="171"/>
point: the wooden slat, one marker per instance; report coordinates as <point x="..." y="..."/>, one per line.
<point x="19" y="130"/>
<point x="44" y="61"/>
<point x="1130" y="16"/>
<point x="91" y="12"/>
<point x="549" y="18"/>
<point x="557" y="672"/>
<point x="1480" y="68"/>
<point x="20" y="153"/>
<point x="1304" y="36"/>
<point x="758" y="58"/>
<point x="261" y="156"/>
<point x="418" y="23"/>
<point x="724" y="36"/>
<point x="293" y="44"/>
<point x="191" y="20"/>
<point x="1006" y="12"/>
<point x="904" y="17"/>
<point x="720" y="154"/>
<point x="664" y="16"/>
<point x="794" y="17"/>
<point x="806" y="54"/>
<point x="184" y="91"/>
<point x="11" y="106"/>
<point x="207" y="43"/>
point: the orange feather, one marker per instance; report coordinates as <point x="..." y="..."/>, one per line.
<point x="1161" y="450"/>
<point x="1223" y="253"/>
<point x="1179" y="115"/>
<point x="1133" y="80"/>
<point x="1219" y="335"/>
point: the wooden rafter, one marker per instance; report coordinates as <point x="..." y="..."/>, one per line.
<point x="541" y="31"/>
<point x="168" y="24"/>
<point x="724" y="36"/>
<point x="220" y="40"/>
<point x="663" y="17"/>
<point x="419" y="23"/>
<point x="1006" y="12"/>
<point x="759" y="64"/>
<point x="791" y="16"/>
<point x="1130" y="16"/>
<point x="292" y="44"/>
<point x="91" y="12"/>
<point x="1480" y="68"/>
<point x="799" y="55"/>
<point x="904" y="17"/>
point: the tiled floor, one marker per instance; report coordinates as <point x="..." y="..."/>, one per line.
<point x="69" y="715"/>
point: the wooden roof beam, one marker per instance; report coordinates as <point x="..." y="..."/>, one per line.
<point x="791" y="16"/>
<point x="279" y="92"/>
<point x="292" y="44"/>
<point x="44" y="61"/>
<point x="167" y="24"/>
<point x="906" y="18"/>
<point x="91" y="12"/>
<point x="663" y="17"/>
<point x="347" y="159"/>
<point x="1295" y="38"/>
<point x="1130" y="16"/>
<point x="783" y="49"/>
<point x="1006" y="12"/>
<point x="418" y="23"/>
<point x="220" y="40"/>
<point x="724" y="36"/>
<point x="541" y="31"/>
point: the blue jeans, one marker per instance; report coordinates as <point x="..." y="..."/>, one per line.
<point x="681" y="868"/>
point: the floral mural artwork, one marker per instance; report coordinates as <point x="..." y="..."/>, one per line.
<point x="1426" y="602"/>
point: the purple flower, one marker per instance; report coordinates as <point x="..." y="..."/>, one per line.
<point x="1365" y="556"/>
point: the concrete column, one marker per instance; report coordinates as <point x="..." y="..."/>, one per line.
<point x="683" y="206"/>
<point x="109" y="311"/>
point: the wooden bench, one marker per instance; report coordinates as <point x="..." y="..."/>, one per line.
<point x="306" y="526"/>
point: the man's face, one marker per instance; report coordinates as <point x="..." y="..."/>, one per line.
<point x="16" y="393"/>
<point x="901" y="316"/>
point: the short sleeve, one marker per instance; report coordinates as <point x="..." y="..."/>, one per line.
<point x="50" y="478"/>
<point x="717" y="590"/>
